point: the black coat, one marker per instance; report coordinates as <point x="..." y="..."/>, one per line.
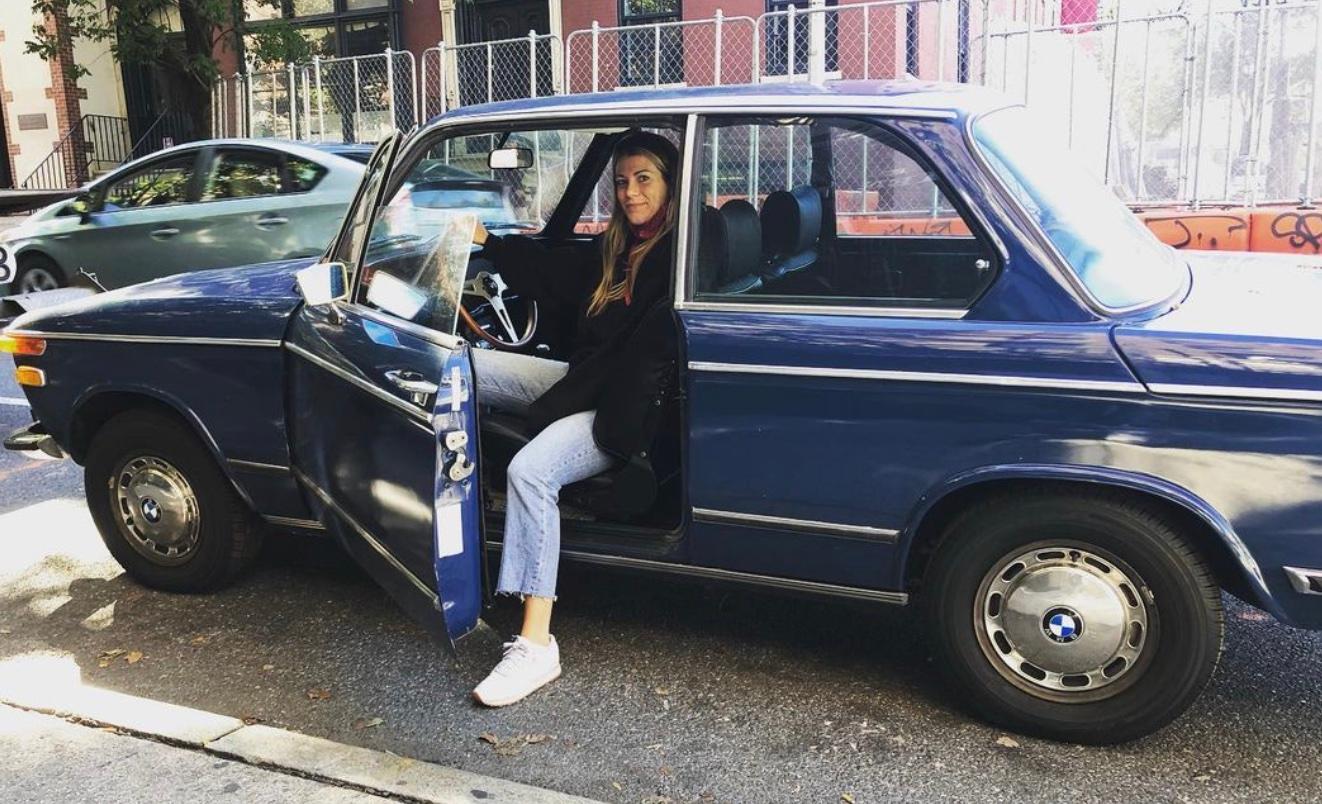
<point x="622" y="358"/>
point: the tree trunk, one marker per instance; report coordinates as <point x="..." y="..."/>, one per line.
<point x="198" y="30"/>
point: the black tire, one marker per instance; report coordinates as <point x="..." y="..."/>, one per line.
<point x="222" y="540"/>
<point x="33" y="267"/>
<point x="1178" y="645"/>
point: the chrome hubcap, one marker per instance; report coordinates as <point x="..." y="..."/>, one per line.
<point x="1061" y="621"/>
<point x="37" y="279"/>
<point x="157" y="508"/>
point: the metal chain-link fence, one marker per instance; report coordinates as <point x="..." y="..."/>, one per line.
<point x="507" y="69"/>
<point x="720" y="50"/>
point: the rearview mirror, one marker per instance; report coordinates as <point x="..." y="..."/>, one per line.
<point x="510" y="158"/>
<point x="323" y="283"/>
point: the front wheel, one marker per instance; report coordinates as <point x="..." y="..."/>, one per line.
<point x="1087" y="619"/>
<point x="163" y="508"/>
<point x="37" y="273"/>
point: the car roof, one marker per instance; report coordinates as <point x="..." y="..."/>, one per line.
<point x="939" y="99"/>
<point x="315" y="152"/>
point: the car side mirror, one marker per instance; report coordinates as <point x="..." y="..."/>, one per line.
<point x="323" y="283"/>
<point x="510" y="158"/>
<point x="81" y="205"/>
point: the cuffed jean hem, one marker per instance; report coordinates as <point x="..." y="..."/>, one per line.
<point x="522" y="596"/>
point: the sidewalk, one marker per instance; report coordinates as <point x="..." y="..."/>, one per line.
<point x="70" y="742"/>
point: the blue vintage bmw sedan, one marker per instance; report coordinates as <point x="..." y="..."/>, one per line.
<point x="922" y="360"/>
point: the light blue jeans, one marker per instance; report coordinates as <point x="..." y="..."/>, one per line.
<point x="561" y="454"/>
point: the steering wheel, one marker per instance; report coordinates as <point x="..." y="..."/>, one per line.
<point x="492" y="288"/>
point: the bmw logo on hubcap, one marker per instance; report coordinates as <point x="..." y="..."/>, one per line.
<point x="1062" y="625"/>
<point x="151" y="510"/>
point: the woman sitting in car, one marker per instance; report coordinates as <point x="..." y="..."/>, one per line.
<point x="577" y="434"/>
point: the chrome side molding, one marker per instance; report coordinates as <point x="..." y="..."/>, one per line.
<point x="1305" y="581"/>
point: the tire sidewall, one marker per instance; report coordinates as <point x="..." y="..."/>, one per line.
<point x="132" y="435"/>
<point x="37" y="262"/>
<point x="1182" y="643"/>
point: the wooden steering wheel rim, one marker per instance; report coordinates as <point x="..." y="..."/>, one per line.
<point x="529" y="330"/>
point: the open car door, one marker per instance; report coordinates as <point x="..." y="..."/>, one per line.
<point x="382" y="406"/>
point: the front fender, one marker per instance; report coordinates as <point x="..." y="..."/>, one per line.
<point x="1098" y="476"/>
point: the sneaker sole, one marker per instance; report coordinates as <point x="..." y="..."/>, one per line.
<point x="497" y="703"/>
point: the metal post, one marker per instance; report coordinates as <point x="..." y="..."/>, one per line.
<point x="816" y="41"/>
<point x="1028" y="49"/>
<point x="1202" y="105"/>
<point x="293" y="102"/>
<point x="790" y="44"/>
<point x="357" y="99"/>
<point x="1143" y="110"/>
<point x="755" y="174"/>
<point x="715" y="163"/>
<point x="1230" y="106"/>
<point x="656" y="54"/>
<point x="307" y="104"/>
<point x="321" y="99"/>
<point x="789" y="155"/>
<point x="716" y="74"/>
<point x="940" y="40"/>
<point x="1257" y="106"/>
<point x="532" y="87"/>
<point x="1310" y="161"/>
<point x="867" y="44"/>
<point x="1186" y="110"/>
<point x="986" y="34"/>
<point x="596" y="56"/>
<point x="1110" y="104"/>
<point x="491" y="95"/>
<point x="1069" y="106"/>
<point x="247" y="92"/>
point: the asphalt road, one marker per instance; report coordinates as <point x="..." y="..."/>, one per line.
<point x="671" y="691"/>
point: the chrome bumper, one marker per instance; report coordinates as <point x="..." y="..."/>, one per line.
<point x="1305" y="581"/>
<point x="34" y="438"/>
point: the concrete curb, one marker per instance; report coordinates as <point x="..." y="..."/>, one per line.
<point x="297" y="754"/>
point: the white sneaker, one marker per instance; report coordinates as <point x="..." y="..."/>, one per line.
<point x="525" y="668"/>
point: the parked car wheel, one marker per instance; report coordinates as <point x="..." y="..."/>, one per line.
<point x="38" y="272"/>
<point x="1084" y="619"/>
<point x="164" y="509"/>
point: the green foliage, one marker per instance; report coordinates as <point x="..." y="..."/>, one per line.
<point x="178" y="35"/>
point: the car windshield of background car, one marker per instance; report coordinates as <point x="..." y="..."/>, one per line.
<point x="1121" y="263"/>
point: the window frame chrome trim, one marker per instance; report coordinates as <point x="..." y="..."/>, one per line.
<point x="835" y="104"/>
<point x="181" y="340"/>
<point x="737" y="518"/>
<point x="947" y="313"/>
<point x="1231" y="392"/>
<point x="294" y="522"/>
<point x="257" y="466"/>
<point x="688" y="183"/>
<point x="414" y="412"/>
<point x="995" y="380"/>
<point x="733" y="576"/>
<point x="371" y="540"/>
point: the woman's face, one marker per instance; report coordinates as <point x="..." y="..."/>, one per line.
<point x="640" y="189"/>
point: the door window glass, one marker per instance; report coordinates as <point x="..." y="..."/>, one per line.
<point x="243" y="174"/>
<point x="303" y="175"/>
<point x="158" y="184"/>
<point x="829" y="212"/>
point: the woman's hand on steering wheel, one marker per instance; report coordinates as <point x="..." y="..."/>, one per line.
<point x="492" y="288"/>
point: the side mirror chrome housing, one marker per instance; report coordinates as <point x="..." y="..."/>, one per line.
<point x="510" y="159"/>
<point x="323" y="283"/>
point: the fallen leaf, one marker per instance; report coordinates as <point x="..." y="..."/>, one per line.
<point x="848" y="798"/>
<point x="361" y="723"/>
<point x="200" y="639"/>
<point x="318" y="694"/>
<point x="488" y="737"/>
<point x="108" y="656"/>
<point x="1007" y="742"/>
<point x="133" y="656"/>
<point x="534" y="739"/>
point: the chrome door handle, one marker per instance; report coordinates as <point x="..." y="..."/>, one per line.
<point x="164" y="232"/>
<point x="418" y="387"/>
<point x="271" y="220"/>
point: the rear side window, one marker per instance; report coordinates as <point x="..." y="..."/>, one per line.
<point x="829" y="212"/>
<point x="303" y="175"/>
<point x="243" y="174"/>
<point x="158" y="184"/>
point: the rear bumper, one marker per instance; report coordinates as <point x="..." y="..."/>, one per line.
<point x="34" y="438"/>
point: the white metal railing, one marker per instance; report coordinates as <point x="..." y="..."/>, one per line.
<point x="1217" y="104"/>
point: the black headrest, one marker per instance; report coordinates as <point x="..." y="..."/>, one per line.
<point x="730" y="243"/>
<point x="791" y="221"/>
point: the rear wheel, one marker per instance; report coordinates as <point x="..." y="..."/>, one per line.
<point x="1086" y="619"/>
<point x="163" y="508"/>
<point x="38" y="272"/>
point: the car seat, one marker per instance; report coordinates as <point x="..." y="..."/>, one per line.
<point x="791" y="223"/>
<point x="729" y="249"/>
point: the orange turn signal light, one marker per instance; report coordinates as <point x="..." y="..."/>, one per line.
<point x="22" y="345"/>
<point x="30" y="376"/>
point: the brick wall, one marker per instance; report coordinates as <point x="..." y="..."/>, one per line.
<point x="6" y="101"/>
<point x="65" y="93"/>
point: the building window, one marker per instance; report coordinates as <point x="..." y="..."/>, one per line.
<point x="653" y="54"/>
<point x="777" y="47"/>
<point x="333" y="27"/>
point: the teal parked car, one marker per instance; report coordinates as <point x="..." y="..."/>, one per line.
<point x="211" y="204"/>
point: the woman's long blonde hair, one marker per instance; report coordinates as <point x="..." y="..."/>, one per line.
<point x="663" y="156"/>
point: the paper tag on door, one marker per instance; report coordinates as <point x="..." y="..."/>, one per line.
<point x="449" y="530"/>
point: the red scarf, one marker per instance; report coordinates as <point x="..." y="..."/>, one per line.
<point x="640" y="233"/>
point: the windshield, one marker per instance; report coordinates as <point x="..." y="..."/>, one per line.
<point x="1119" y="261"/>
